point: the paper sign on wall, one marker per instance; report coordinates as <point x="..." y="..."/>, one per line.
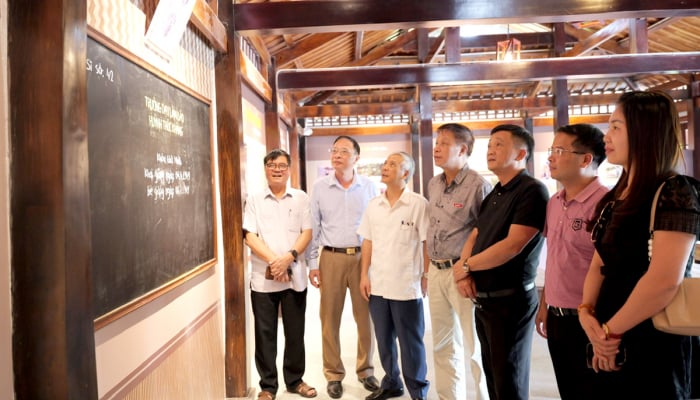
<point x="168" y="25"/>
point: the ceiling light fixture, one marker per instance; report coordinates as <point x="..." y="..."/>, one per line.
<point x="509" y="49"/>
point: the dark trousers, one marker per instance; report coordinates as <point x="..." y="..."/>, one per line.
<point x="567" y="346"/>
<point x="504" y="326"/>
<point x="402" y="319"/>
<point x="265" y="310"/>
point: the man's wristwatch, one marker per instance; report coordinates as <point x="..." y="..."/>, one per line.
<point x="467" y="268"/>
<point x="294" y="254"/>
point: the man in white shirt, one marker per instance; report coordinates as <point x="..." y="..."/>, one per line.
<point x="394" y="264"/>
<point x="277" y="228"/>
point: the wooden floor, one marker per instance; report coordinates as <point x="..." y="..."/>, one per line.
<point x="542" y="382"/>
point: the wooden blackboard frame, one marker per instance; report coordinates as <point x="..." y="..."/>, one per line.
<point x="156" y="292"/>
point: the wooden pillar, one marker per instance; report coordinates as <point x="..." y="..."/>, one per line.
<point x="528" y="124"/>
<point x="423" y="42"/>
<point x="303" y="184"/>
<point x="229" y="111"/>
<point x="425" y="105"/>
<point x="452" y="45"/>
<point x="415" y="150"/>
<point x="272" y="124"/>
<point x="639" y="41"/>
<point x="560" y="87"/>
<point x="694" y="125"/>
<point x="297" y="160"/>
<point x="53" y="333"/>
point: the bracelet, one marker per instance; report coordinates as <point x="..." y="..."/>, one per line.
<point x="424" y="275"/>
<point x="585" y="306"/>
<point x="610" y="335"/>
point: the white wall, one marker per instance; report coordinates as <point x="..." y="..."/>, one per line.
<point x="6" y="385"/>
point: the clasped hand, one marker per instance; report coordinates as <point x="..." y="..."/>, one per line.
<point x="605" y="350"/>
<point x="279" y="267"/>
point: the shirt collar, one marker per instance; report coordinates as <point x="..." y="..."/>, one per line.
<point x="458" y="178"/>
<point x="513" y="182"/>
<point x="333" y="180"/>
<point x="583" y="195"/>
<point x="402" y="199"/>
<point x="268" y="193"/>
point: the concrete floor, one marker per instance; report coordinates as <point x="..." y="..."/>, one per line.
<point x="542" y="381"/>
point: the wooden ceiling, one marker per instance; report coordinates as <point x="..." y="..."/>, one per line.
<point x="350" y="58"/>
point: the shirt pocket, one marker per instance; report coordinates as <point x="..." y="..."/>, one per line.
<point x="294" y="221"/>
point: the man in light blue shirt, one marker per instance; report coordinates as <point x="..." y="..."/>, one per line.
<point x="337" y="204"/>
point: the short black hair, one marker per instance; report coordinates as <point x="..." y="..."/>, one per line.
<point x="461" y="133"/>
<point x="519" y="133"/>
<point x="588" y="138"/>
<point x="355" y="145"/>
<point x="274" y="154"/>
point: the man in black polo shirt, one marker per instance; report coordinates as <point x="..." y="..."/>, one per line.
<point x="500" y="261"/>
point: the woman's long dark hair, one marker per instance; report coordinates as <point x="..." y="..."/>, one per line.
<point x="655" y="143"/>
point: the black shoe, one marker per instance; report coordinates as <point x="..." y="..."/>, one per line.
<point x="335" y="389"/>
<point x="370" y="383"/>
<point x="382" y="394"/>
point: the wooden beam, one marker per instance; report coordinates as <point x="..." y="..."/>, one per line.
<point x="435" y="49"/>
<point x="601" y="36"/>
<point x="261" y="48"/>
<point x="385" y="49"/>
<point x="356" y="109"/>
<point x="451" y="106"/>
<point x="373" y="56"/>
<point x="204" y="18"/>
<point x="254" y="78"/>
<point x="486" y="124"/>
<point x="362" y="130"/>
<point x="662" y="23"/>
<point x="582" y="35"/>
<point x="543" y="39"/>
<point x="309" y="43"/>
<point x="354" y="15"/>
<point x="489" y="72"/>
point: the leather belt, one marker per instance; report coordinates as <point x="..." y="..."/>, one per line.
<point x="344" y="250"/>
<point x="563" y="312"/>
<point x="444" y="264"/>
<point x="505" y="292"/>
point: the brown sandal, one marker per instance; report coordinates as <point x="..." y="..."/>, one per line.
<point x="304" y="390"/>
<point x="265" y="395"/>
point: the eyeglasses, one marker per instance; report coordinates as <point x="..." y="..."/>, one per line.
<point x="343" y="152"/>
<point x="602" y="222"/>
<point x="558" y="151"/>
<point x="279" y="166"/>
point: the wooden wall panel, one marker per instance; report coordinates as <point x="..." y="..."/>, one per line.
<point x="192" y="368"/>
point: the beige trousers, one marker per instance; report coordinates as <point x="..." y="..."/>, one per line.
<point x="340" y="272"/>
<point x="454" y="339"/>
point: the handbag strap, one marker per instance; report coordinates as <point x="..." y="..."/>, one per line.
<point x="653" y="217"/>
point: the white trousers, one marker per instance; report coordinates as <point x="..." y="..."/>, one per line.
<point x="454" y="338"/>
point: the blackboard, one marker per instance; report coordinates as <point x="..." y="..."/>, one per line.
<point x="149" y="146"/>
